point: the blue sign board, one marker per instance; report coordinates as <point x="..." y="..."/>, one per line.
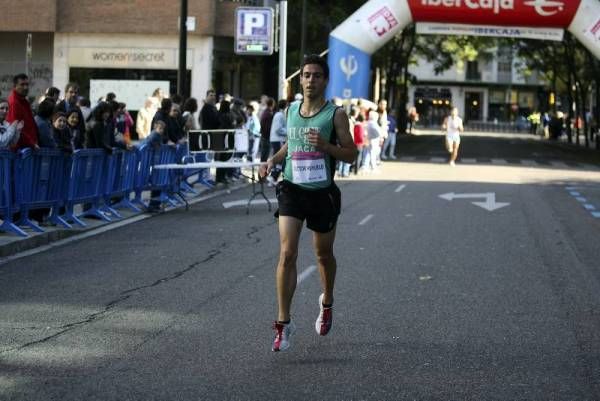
<point x="349" y="71"/>
<point x="254" y="30"/>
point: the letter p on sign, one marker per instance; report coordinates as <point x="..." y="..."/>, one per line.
<point x="253" y="21"/>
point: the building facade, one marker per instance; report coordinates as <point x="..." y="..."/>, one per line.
<point x="85" y="40"/>
<point x="483" y="91"/>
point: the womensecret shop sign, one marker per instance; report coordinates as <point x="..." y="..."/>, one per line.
<point x="126" y="58"/>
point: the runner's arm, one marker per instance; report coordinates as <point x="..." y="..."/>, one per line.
<point x="346" y="151"/>
<point x="277" y="158"/>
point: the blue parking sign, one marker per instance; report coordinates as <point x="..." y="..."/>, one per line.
<point x="254" y="30"/>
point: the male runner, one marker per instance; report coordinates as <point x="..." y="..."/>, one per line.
<point x="318" y="133"/>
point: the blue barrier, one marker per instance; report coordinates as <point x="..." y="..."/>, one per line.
<point x="7" y="199"/>
<point x="142" y="178"/>
<point x="163" y="180"/>
<point x="124" y="185"/>
<point x="40" y="183"/>
<point x="85" y="184"/>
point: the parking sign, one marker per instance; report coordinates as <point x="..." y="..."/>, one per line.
<point x="254" y="30"/>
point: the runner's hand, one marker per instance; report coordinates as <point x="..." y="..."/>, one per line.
<point x="315" y="140"/>
<point x="265" y="168"/>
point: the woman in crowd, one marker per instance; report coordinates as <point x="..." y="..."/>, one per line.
<point x="77" y="137"/>
<point x="190" y="107"/>
<point x="9" y="133"/>
<point x="61" y="132"/>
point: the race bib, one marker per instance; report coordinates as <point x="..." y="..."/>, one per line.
<point x="308" y="167"/>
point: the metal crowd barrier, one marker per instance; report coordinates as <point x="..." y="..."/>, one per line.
<point x="8" y="204"/>
<point x="40" y="183"/>
<point x="48" y="178"/>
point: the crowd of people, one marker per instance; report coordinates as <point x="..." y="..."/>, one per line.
<point x="68" y="121"/>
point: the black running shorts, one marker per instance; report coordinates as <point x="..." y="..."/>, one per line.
<point x="320" y="208"/>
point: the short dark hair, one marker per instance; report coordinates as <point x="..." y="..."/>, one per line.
<point x="316" y="59"/>
<point x="110" y="96"/>
<point x="46" y="108"/>
<point x="52" y="91"/>
<point x="270" y="102"/>
<point x="84" y="102"/>
<point x="58" y="115"/>
<point x="100" y="109"/>
<point x="177" y="98"/>
<point x="165" y="105"/>
<point x="281" y="104"/>
<point x="208" y="92"/>
<point x="19" y="77"/>
<point x="190" y="105"/>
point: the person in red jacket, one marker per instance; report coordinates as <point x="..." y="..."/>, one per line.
<point x="20" y="110"/>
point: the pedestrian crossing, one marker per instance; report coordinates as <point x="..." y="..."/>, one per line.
<point x="560" y="164"/>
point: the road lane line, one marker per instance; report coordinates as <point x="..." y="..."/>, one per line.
<point x="596" y="214"/>
<point x="581" y="199"/>
<point x="307" y="272"/>
<point x="589" y="206"/>
<point x="400" y="188"/>
<point x="365" y="220"/>
<point x="575" y="193"/>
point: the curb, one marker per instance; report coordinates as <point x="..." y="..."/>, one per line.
<point x="41" y="242"/>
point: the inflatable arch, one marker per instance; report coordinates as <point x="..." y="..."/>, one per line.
<point x="377" y="21"/>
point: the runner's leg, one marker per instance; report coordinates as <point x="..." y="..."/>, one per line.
<point x="289" y="235"/>
<point x="455" y="146"/>
<point x="323" y="244"/>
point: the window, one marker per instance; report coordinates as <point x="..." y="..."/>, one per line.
<point x="473" y="73"/>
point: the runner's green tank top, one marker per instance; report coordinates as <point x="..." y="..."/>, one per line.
<point x="304" y="165"/>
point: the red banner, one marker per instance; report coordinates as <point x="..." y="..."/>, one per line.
<point x="532" y="13"/>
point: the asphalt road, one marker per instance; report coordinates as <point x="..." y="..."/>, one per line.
<point x="436" y="299"/>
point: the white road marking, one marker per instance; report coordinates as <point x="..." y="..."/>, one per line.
<point x="589" y="206"/>
<point x="307" y="272"/>
<point x="400" y="188"/>
<point x="575" y="193"/>
<point x="596" y="214"/>
<point x="501" y="162"/>
<point x="365" y="220"/>
<point x="581" y="199"/>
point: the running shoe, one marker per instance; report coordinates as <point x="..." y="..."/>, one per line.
<point x="324" y="320"/>
<point x="282" y="335"/>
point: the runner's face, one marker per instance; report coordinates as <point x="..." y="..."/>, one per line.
<point x="313" y="81"/>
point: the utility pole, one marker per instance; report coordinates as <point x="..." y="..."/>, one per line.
<point x="182" y="71"/>
<point x="303" y="33"/>
<point x="282" y="47"/>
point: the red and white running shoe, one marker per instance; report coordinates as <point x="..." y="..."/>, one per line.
<point x="282" y="335"/>
<point x="324" y="320"/>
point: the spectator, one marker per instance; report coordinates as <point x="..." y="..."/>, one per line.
<point x="177" y="99"/>
<point x="123" y="123"/>
<point x="102" y="135"/>
<point x="253" y="127"/>
<point x="190" y="106"/>
<point x="209" y="115"/>
<point x="70" y="103"/>
<point x="156" y="138"/>
<point x="374" y="133"/>
<point x="157" y="97"/>
<point x="9" y="133"/>
<point x="389" y="145"/>
<point x="77" y="136"/>
<point x="360" y="140"/>
<point x="19" y="109"/>
<point x="61" y="132"/>
<point x="144" y="118"/>
<point x="266" y="120"/>
<point x="52" y="93"/>
<point x="226" y="122"/>
<point x="43" y="120"/>
<point x="175" y="125"/>
<point x="111" y="97"/>
<point x="86" y="111"/>
<point x="277" y="137"/>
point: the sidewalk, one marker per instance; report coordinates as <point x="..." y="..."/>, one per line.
<point x="11" y="244"/>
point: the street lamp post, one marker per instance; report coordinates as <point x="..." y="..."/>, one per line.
<point x="181" y="72"/>
<point x="282" y="47"/>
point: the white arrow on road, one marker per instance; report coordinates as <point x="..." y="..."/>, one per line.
<point x="489" y="204"/>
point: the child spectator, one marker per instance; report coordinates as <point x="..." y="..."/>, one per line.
<point x="156" y="137"/>
<point x="61" y="132"/>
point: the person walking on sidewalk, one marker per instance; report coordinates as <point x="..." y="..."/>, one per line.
<point x="453" y="127"/>
<point x="318" y="133"/>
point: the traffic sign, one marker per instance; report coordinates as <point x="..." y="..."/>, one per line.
<point x="254" y="30"/>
